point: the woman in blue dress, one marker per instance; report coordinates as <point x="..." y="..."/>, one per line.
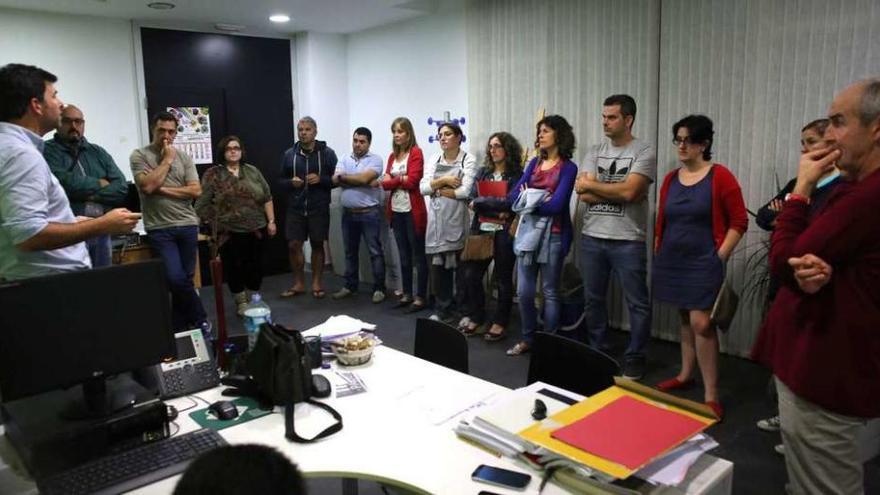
<point x="700" y="219"/>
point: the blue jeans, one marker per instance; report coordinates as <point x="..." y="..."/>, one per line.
<point x="628" y="260"/>
<point x="366" y="224"/>
<point x="527" y="280"/>
<point x="100" y="251"/>
<point x="178" y="248"/>
<point x="411" y="249"/>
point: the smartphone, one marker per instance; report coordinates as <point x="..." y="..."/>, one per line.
<point x="501" y="477"/>
<point x="484" y="492"/>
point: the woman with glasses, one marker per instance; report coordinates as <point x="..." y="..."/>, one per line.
<point x="492" y="219"/>
<point x="237" y="203"/>
<point x="406" y="212"/>
<point x="549" y="176"/>
<point x="447" y="184"/>
<point x="701" y="217"/>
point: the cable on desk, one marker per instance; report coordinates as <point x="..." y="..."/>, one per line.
<point x="190" y="408"/>
<point x="199" y="398"/>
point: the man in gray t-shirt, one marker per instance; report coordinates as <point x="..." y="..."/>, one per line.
<point x="167" y="183"/>
<point x="613" y="184"/>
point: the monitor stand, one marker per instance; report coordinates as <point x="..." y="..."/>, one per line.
<point x="96" y="401"/>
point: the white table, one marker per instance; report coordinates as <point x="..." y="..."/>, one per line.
<point x="400" y="433"/>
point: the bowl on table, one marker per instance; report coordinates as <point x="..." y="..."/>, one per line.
<point x="353" y="351"/>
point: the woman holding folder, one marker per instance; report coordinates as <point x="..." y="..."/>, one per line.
<point x="501" y="170"/>
<point x="406" y="212"/>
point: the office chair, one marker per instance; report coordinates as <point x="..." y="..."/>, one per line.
<point x="570" y="364"/>
<point x="441" y="344"/>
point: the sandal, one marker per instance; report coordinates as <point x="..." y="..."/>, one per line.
<point x="464" y="324"/>
<point x="292" y="292"/>
<point x="416" y="306"/>
<point x="469" y="330"/>
<point x="519" y="349"/>
<point x="318" y="293"/>
<point x="403" y="302"/>
<point x="491" y="336"/>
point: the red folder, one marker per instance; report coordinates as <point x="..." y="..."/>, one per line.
<point x="629" y="432"/>
<point x="495" y="189"/>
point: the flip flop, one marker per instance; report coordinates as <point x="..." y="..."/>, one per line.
<point x="494" y="337"/>
<point x="291" y="292"/>
<point x="318" y="294"/>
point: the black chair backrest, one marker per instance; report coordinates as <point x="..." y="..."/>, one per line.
<point x="570" y="364"/>
<point x="441" y="344"/>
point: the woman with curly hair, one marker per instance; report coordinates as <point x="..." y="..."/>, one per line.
<point x="492" y="218"/>
<point x="237" y="202"/>
<point x="701" y="217"/>
<point x="544" y="234"/>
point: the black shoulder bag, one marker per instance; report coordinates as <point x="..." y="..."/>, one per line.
<point x="282" y="372"/>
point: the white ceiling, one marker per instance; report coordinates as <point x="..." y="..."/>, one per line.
<point x="326" y="16"/>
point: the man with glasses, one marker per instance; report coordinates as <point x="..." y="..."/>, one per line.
<point x="89" y="176"/>
<point x="168" y="183"/>
<point x="614" y="182"/>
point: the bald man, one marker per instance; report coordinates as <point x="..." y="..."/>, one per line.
<point x="89" y="176"/>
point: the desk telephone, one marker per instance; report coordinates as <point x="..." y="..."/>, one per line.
<point x="192" y="371"/>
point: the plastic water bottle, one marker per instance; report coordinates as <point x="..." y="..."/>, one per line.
<point x="256" y="314"/>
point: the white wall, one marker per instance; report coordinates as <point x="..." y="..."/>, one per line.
<point x="93" y="59"/>
<point x="416" y="69"/>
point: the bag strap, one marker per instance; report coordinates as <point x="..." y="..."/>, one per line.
<point x="290" y="431"/>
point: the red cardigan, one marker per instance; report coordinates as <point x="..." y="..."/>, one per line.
<point x="826" y="346"/>
<point x="415" y="164"/>
<point x="728" y="207"/>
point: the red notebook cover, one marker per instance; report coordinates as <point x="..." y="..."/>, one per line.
<point x="629" y="432"/>
<point x="495" y="189"/>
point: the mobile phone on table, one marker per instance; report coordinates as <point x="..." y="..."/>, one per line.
<point x="484" y="492"/>
<point x="501" y="477"/>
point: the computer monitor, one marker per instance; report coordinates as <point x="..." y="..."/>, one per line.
<point x="79" y="328"/>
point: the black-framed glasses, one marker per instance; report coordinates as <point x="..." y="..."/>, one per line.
<point x="677" y="141"/>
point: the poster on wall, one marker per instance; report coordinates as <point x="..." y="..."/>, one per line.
<point x="193" y="133"/>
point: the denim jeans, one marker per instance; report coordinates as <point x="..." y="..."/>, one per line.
<point x="366" y="224"/>
<point x="628" y="260"/>
<point x="178" y="248"/>
<point x="411" y="249"/>
<point x="527" y="280"/>
<point x="100" y="251"/>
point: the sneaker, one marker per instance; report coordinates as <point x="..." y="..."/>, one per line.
<point x="443" y="317"/>
<point x="769" y="424"/>
<point x="780" y="449"/>
<point x="378" y="296"/>
<point x="342" y="293"/>
<point x="241" y="302"/>
<point x="634" y="368"/>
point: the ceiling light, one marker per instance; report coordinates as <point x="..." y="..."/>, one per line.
<point x="279" y="18"/>
<point x="161" y="5"/>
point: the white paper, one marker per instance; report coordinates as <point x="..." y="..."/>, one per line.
<point x="339" y="326"/>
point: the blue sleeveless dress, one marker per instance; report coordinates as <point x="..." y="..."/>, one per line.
<point x="687" y="271"/>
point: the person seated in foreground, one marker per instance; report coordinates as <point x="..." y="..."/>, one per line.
<point x="241" y="470"/>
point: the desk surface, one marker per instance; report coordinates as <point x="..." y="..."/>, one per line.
<point x="400" y="432"/>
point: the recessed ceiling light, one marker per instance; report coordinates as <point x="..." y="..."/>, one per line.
<point x="161" y="5"/>
<point x="279" y="18"/>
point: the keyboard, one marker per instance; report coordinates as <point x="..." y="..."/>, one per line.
<point x="133" y="468"/>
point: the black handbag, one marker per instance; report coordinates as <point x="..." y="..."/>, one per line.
<point x="281" y="371"/>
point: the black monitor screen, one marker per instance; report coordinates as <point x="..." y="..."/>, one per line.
<point x="64" y="329"/>
<point x="185" y="348"/>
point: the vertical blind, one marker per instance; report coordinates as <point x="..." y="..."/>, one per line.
<point x="760" y="69"/>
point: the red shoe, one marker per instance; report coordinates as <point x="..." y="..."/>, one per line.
<point x="674" y="384"/>
<point x="716" y="408"/>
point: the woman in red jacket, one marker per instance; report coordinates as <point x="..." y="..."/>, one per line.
<point x="406" y="212"/>
<point x="701" y="217"/>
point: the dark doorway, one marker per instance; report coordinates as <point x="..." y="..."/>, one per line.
<point x="247" y="85"/>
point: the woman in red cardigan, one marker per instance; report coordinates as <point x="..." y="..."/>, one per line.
<point x="701" y="217"/>
<point x="406" y="212"/>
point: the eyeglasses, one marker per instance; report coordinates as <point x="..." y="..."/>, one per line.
<point x="67" y="120"/>
<point x="496" y="146"/>
<point x="676" y="141"/>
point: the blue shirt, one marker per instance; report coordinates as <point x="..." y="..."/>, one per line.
<point x="360" y="196"/>
<point x="30" y="198"/>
